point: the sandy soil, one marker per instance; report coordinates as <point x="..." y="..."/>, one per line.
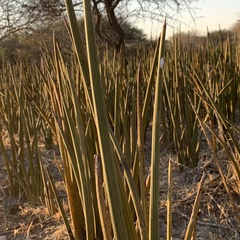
<point x="20" y="219"/>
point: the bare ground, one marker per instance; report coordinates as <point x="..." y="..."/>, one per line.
<point x="21" y="220"/>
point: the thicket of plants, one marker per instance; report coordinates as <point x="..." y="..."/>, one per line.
<point x="96" y="105"/>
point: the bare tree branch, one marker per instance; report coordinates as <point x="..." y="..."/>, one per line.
<point x="18" y="15"/>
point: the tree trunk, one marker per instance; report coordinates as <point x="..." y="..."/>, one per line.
<point x="110" y="7"/>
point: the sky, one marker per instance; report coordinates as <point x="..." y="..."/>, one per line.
<point x="208" y="14"/>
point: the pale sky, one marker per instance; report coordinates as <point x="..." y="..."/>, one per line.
<point x="207" y="14"/>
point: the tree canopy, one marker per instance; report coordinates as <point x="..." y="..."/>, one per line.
<point x="236" y="29"/>
<point x="27" y="16"/>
